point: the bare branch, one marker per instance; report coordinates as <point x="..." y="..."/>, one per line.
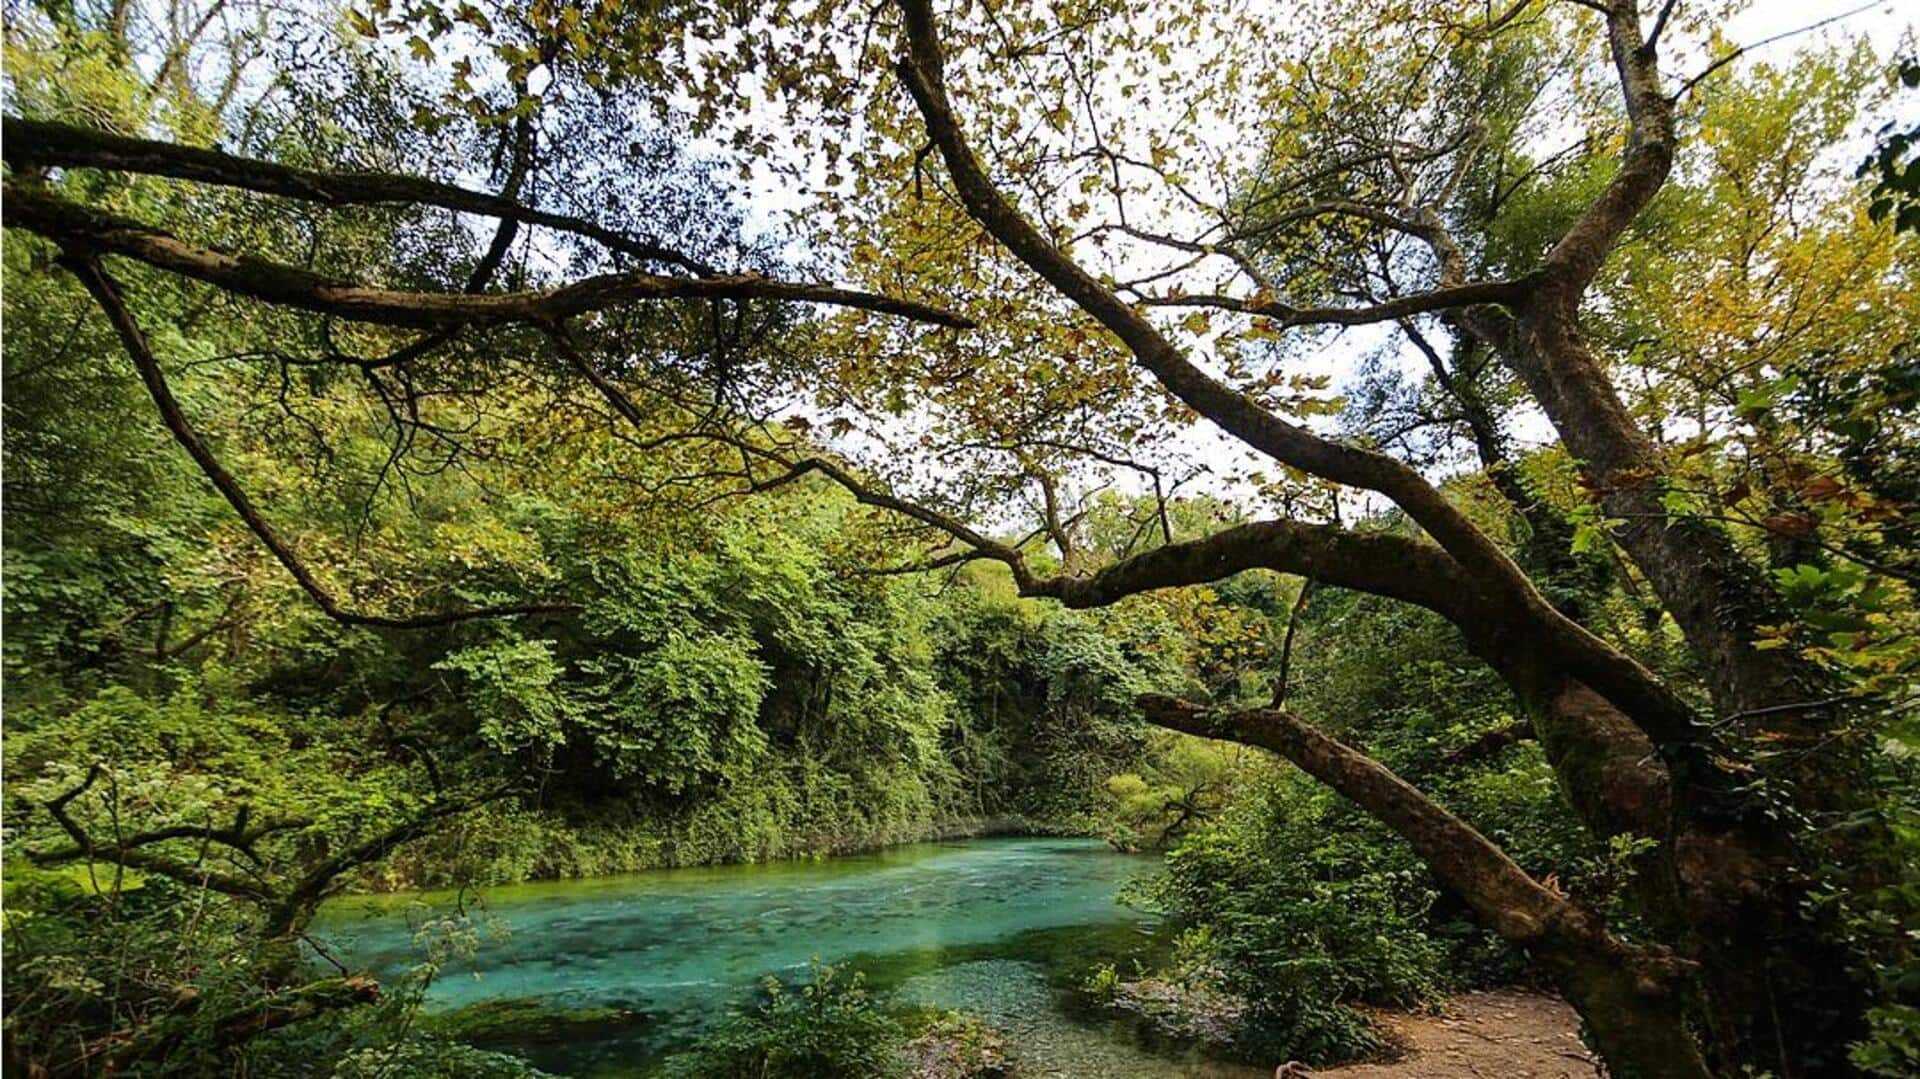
<point x="868" y="495"/>
<point x="78" y="228"/>
<point x="1736" y="54"/>
<point x="1282" y="681"/>
<point x="1660" y="25"/>
<point x="1420" y="303"/>
<point x="133" y="855"/>
<point x="107" y="293"/>
<point x="34" y="143"/>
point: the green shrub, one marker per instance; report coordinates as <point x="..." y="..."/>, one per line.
<point x="1893" y="1045"/>
<point x="958" y="1045"/>
<point x="828" y="1026"/>
<point x="1300" y="905"/>
<point x="427" y="1058"/>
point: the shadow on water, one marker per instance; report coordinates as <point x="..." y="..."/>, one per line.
<point x="606" y="977"/>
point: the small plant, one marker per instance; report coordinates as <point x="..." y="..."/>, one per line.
<point x="826" y="1026"/>
<point x="1102" y="984"/>
<point x="1893" y="1044"/>
<point x="428" y="1058"/>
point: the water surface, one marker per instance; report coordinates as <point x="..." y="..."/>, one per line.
<point x="993" y="926"/>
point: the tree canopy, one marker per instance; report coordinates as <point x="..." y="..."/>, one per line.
<point x="622" y="391"/>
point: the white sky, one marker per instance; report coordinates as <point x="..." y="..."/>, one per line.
<point x="1765" y="18"/>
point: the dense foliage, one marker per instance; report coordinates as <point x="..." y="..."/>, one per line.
<point x="432" y="459"/>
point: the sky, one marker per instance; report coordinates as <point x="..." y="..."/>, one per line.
<point x="1766" y="18"/>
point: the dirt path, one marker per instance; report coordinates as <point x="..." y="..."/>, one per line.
<point x="1500" y="1034"/>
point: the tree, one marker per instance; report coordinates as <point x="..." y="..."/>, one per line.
<point x="1398" y="182"/>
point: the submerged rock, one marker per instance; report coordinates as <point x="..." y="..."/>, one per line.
<point x="519" y="1021"/>
<point x="1046" y="1042"/>
<point x="959" y="1046"/>
<point x="1189" y="1011"/>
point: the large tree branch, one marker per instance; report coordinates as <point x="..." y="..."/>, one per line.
<point x="35" y="143"/>
<point x="81" y="229"/>
<point x="1510" y="902"/>
<point x="106" y="292"/>
<point x="1629" y="990"/>
<point x="1444" y="298"/>
<point x="132" y="853"/>
<point x="1715" y="594"/>
<point x="293" y="1006"/>
<point x="243" y="1022"/>
<point x="296" y="906"/>
<point x="922" y="72"/>
<point x="1377" y="562"/>
<point x="1573" y="261"/>
<point x="239" y="836"/>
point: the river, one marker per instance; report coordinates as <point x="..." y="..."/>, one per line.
<point x="993" y="926"/>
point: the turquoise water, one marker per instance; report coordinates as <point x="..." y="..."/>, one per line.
<point x="991" y="925"/>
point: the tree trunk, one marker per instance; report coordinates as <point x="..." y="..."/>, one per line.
<point x="1734" y="855"/>
<point x="1714" y="593"/>
<point x="1629" y="994"/>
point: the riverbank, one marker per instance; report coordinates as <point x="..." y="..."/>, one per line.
<point x="495" y="848"/>
<point x="1512" y="1034"/>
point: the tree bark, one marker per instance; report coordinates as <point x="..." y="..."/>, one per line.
<point x="1629" y="994"/>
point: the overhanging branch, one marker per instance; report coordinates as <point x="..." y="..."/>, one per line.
<point x="1516" y="906"/>
<point x="35" y="143"/>
<point x="242" y="1023"/>
<point x="80" y="229"/>
<point x="106" y="292"/>
<point x="1377" y="562"/>
<point x="1446" y="298"/>
<point x="132" y="853"/>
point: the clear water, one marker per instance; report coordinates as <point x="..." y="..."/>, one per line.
<point x="988" y="925"/>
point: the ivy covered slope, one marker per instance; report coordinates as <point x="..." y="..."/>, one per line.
<point x="454" y="443"/>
